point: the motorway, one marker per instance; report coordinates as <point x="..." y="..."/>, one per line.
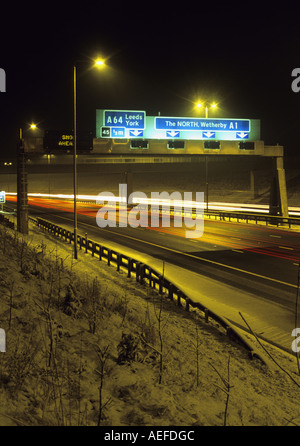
<point x="246" y="259"/>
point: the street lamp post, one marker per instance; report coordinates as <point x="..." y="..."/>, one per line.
<point x="207" y="107"/>
<point x="22" y="201"/>
<point x="22" y="185"/>
<point x="75" y="164"/>
<point x="213" y="106"/>
<point x="99" y="63"/>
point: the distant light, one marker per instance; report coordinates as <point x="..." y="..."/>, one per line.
<point x="213" y="105"/>
<point x="99" y="62"/>
<point x="33" y="126"/>
<point x="198" y="105"/>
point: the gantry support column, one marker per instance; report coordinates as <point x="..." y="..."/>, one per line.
<point x="22" y="185"/>
<point x="278" y="193"/>
<point x="128" y="179"/>
<point x="253" y="184"/>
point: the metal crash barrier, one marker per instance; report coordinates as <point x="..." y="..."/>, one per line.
<point x="147" y="276"/>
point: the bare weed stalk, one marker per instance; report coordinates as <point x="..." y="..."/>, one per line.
<point x="102" y="355"/>
<point x="226" y="387"/>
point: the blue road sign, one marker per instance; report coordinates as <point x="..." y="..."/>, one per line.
<point x="136" y="125"/>
<point x="224" y="125"/>
<point x="125" y="119"/>
<point x="242" y="135"/>
<point x="136" y="133"/>
<point x="2" y="196"/>
<point x="173" y="134"/>
<point x="117" y="132"/>
<point x="208" y="134"/>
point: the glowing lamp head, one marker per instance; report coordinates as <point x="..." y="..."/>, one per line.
<point x="99" y="63"/>
<point x="33" y="126"/>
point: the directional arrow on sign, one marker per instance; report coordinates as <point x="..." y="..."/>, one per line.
<point x="242" y="135"/>
<point x="173" y="134"/>
<point x="208" y="134"/>
<point x="135" y="132"/>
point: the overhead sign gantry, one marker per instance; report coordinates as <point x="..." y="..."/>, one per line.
<point x="155" y="138"/>
<point x="130" y="124"/>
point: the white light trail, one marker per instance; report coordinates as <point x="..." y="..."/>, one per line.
<point x="218" y="206"/>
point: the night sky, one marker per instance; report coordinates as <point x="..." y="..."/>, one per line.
<point x="161" y="56"/>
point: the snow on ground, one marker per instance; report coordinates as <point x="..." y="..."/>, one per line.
<point x="84" y="344"/>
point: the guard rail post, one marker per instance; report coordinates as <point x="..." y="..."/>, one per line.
<point x="137" y="271"/>
<point x="187" y="303"/>
<point x="150" y="277"/>
<point x="206" y="314"/>
<point x="170" y="295"/>
<point x="129" y="268"/>
<point x="179" y="298"/>
<point x="160" y="290"/>
<point x="142" y="273"/>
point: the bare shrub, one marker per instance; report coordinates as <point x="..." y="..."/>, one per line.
<point x="72" y="302"/>
<point x="127" y="348"/>
<point x="148" y="328"/>
<point x="93" y="305"/>
<point x="102" y="356"/>
<point x="18" y="363"/>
